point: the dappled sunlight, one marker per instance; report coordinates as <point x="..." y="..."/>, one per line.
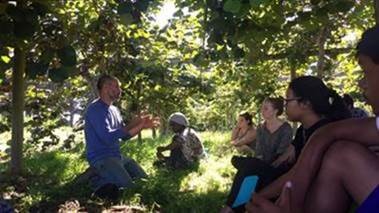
<point x="60" y="167"/>
<point x="213" y="175"/>
<point x="210" y="60"/>
<point x="51" y="179"/>
<point x="209" y="181"/>
<point x="4" y="148"/>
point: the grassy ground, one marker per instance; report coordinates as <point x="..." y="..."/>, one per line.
<point x="49" y="183"/>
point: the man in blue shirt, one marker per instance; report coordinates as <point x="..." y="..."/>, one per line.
<point x="103" y="130"/>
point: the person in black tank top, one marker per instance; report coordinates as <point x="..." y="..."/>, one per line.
<point x="338" y="164"/>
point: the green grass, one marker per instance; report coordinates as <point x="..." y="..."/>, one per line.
<point x="49" y="182"/>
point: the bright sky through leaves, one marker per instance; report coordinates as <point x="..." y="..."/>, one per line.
<point x="167" y="11"/>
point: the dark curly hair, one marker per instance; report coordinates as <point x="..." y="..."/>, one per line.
<point x="369" y="44"/>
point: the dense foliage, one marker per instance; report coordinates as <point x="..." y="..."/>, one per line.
<point x="213" y="59"/>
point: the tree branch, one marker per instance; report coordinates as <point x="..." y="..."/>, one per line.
<point x="330" y="52"/>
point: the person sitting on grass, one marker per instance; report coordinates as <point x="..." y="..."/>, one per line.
<point x="338" y="165"/>
<point x="273" y="138"/>
<point x="185" y="149"/>
<point x="310" y="102"/>
<point x="244" y="134"/>
<point x="103" y="131"/>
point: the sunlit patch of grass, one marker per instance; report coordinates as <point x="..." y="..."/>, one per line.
<point x="61" y="167"/>
<point x="213" y="174"/>
<point x="202" y="189"/>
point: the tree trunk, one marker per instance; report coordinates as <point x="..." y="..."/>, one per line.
<point x="321" y="52"/>
<point x="376" y="7"/>
<point x="139" y="137"/>
<point x="163" y="127"/>
<point x="139" y="107"/>
<point x="18" y="105"/>
<point x="293" y="70"/>
<point x="154" y="132"/>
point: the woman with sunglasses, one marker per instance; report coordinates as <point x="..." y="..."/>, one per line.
<point x="311" y="103"/>
<point x="339" y="164"/>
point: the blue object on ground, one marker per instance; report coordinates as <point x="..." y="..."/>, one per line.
<point x="247" y="189"/>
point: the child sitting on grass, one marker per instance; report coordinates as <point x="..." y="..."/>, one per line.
<point x="185" y="149"/>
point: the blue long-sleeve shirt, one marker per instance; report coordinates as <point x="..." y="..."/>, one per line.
<point x="103" y="131"/>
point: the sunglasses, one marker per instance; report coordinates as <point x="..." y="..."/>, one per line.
<point x="287" y="100"/>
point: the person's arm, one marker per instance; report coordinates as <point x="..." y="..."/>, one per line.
<point x="362" y="131"/>
<point x="133" y="123"/>
<point x="100" y="123"/>
<point x="287" y="157"/>
<point x="282" y="205"/>
<point x="144" y="122"/>
<point x="174" y="144"/>
<point x="235" y="132"/>
<point x="273" y="190"/>
<point x="247" y="138"/>
<point x="284" y="140"/>
<point x="258" y="143"/>
<point x="284" y="145"/>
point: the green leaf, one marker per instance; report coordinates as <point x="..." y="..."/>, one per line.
<point x="216" y="37"/>
<point x="238" y="52"/>
<point x="126" y="19"/>
<point x="24" y="29"/>
<point x="232" y="6"/>
<point x="3" y="68"/>
<point x="322" y="16"/>
<point x="5" y="59"/>
<point x="315" y="2"/>
<point x="244" y="11"/>
<point x="256" y="3"/>
<point x="30" y="16"/>
<point x="67" y="55"/>
<point x="6" y="27"/>
<point x="339" y="6"/>
<point x="345" y="6"/>
<point x="178" y="13"/>
<point x="94" y="25"/>
<point x="15" y="13"/>
<point x="142" y="5"/>
<point x="60" y="74"/>
<point x="33" y="69"/>
<point x="39" y="8"/>
<point x="3" y="8"/>
<point x="124" y="8"/>
<point x="47" y="56"/>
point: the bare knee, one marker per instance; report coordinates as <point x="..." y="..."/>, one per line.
<point x="354" y="165"/>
